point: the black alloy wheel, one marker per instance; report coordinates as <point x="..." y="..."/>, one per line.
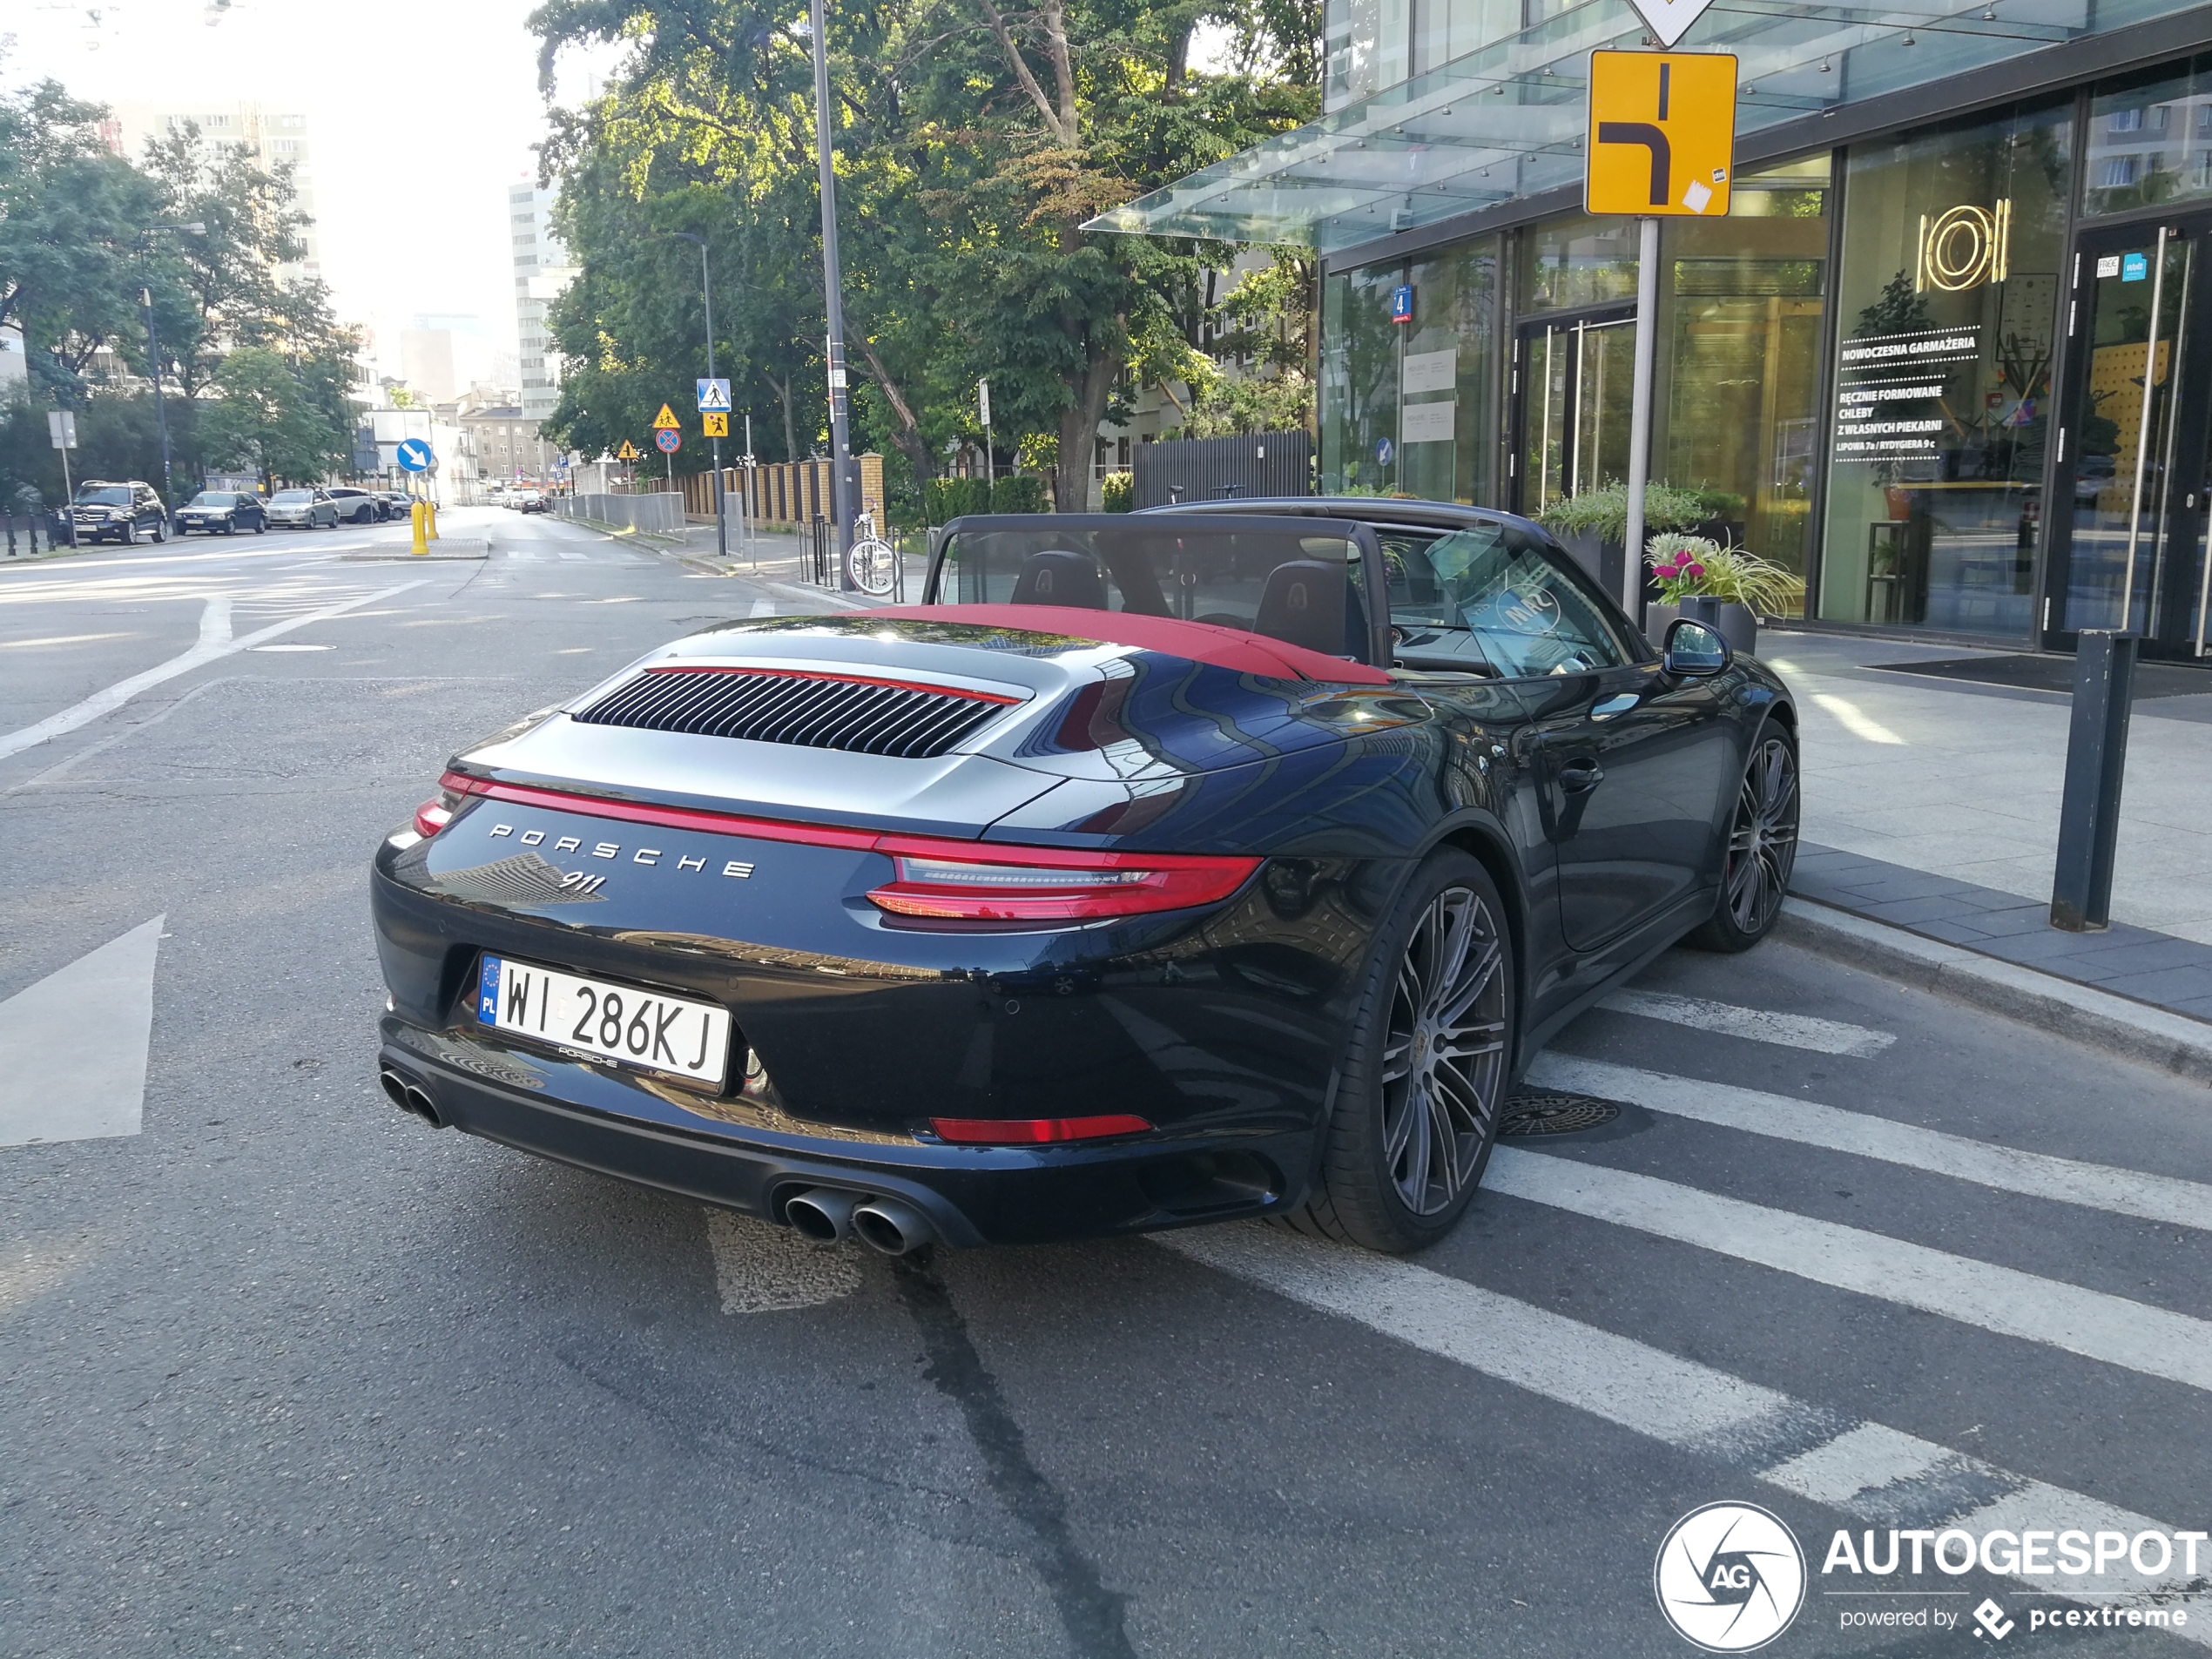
<point x="1762" y="846"/>
<point x="1426" y="1072"/>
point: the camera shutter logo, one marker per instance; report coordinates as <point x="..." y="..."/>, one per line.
<point x="1730" y="1577"/>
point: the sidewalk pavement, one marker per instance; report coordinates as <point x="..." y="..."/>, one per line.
<point x="1932" y="804"/>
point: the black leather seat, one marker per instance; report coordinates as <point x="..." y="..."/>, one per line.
<point x="1057" y="577"/>
<point x="1309" y="603"/>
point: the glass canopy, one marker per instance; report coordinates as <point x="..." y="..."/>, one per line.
<point x="1507" y="120"/>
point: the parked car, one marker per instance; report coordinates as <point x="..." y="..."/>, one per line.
<point x="119" y="512"/>
<point x="227" y="510"/>
<point x="354" y="506"/>
<point x="1154" y="870"/>
<point x="303" y="510"/>
<point x="394" y="503"/>
<point x="530" y="501"/>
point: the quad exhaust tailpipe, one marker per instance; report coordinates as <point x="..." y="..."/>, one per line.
<point x="823" y="1214"/>
<point x="410" y="1097"/>
<point x="891" y="1226"/>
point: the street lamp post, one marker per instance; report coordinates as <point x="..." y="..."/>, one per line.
<point x="832" y="307"/>
<point x="706" y="289"/>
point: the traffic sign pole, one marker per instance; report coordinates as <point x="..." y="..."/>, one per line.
<point x="1640" y="417"/>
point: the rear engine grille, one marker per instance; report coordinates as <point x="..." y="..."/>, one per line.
<point x="875" y="717"/>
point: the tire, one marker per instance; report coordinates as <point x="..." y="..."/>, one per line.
<point x="1762" y="846"/>
<point x="128" y="536"/>
<point x="1401" y="1095"/>
<point x="161" y="532"/>
<point x="230" y="527"/>
<point x="260" y="527"/>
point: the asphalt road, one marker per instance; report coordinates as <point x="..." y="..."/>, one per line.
<point x="286" y="1371"/>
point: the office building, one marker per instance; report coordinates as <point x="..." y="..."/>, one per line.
<point x="541" y="270"/>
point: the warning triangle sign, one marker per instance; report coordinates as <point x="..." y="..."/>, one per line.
<point x="665" y="420"/>
<point x="627" y="452"/>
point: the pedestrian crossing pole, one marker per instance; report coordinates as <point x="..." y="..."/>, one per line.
<point x="1640" y="417"/>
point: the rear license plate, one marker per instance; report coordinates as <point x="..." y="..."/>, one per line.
<point x="623" y="1022"/>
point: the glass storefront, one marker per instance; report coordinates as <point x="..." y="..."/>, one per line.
<point x="1359" y="397"/>
<point x="1946" y="309"/>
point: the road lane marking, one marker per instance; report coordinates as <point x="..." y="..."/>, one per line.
<point x="73" y="1046"/>
<point x="2037" y="1175"/>
<point x="60" y="639"/>
<point x="2156" y="1341"/>
<point x="215" y="643"/>
<point x="1854" y="720"/>
<point x="569" y="556"/>
<point x="1863" y="1469"/>
<point x="764" y="607"/>
<point x="762" y="1268"/>
<point x="1759" y="1025"/>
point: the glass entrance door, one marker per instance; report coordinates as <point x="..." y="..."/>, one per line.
<point x="2130" y="505"/>
<point x="1572" y="383"/>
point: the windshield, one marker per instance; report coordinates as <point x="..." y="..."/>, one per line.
<point x="213" y="498"/>
<point x="1296" y="583"/>
<point x="290" y="498"/>
<point x="105" y="495"/>
<point x="1528" y="614"/>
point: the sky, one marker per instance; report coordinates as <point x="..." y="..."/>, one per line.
<point x="423" y="115"/>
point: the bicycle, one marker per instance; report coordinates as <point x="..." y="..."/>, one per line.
<point x="871" y="562"/>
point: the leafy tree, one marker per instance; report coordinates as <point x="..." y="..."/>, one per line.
<point x="972" y="143"/>
<point x="274" y="417"/>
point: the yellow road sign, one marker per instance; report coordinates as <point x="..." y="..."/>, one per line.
<point x="665" y="420"/>
<point x="627" y="452"/>
<point x="1662" y="134"/>
<point x="718" y="425"/>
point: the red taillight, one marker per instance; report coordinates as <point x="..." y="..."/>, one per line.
<point x="1032" y="884"/>
<point x="435" y="814"/>
<point x="1034" y="1131"/>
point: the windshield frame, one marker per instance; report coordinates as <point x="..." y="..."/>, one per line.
<point x="1371" y="574"/>
<point x="105" y="495"/>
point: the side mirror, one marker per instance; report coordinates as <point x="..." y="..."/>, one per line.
<point x="1696" y="651"/>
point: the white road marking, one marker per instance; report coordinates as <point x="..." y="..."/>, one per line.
<point x="59" y="639"/>
<point x="1865" y="1470"/>
<point x="762" y="1268"/>
<point x="569" y="556"/>
<point x="764" y="607"/>
<point x="1854" y="720"/>
<point x="73" y="1046"/>
<point x="1725" y="1019"/>
<point x="38" y="1270"/>
<point x="2038" y="1175"/>
<point x="215" y="642"/>
<point x="277" y="647"/>
<point x="2154" y="1341"/>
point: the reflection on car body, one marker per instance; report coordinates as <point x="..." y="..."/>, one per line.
<point x="1158" y="868"/>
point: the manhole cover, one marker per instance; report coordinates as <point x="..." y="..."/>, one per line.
<point x="1533" y="1114"/>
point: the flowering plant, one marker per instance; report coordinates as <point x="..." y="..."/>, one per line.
<point x="1679" y="563"/>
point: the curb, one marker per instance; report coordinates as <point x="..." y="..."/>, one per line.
<point x="2133" y="1030"/>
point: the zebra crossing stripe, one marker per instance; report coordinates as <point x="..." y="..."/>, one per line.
<point x="1865" y="1470"/>
<point x="1756" y="1025"/>
<point x="2154" y="1341"/>
<point x="2037" y="1175"/>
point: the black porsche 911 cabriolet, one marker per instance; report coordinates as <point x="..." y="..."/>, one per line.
<point x="1157" y="868"/>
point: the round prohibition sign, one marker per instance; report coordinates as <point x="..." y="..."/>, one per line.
<point x="668" y="440"/>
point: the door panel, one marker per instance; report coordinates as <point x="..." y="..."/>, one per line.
<point x="2130" y="503"/>
<point x="1573" y="382"/>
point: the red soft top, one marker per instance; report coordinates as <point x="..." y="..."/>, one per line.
<point x="1198" y="642"/>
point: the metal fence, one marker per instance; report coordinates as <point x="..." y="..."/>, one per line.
<point x="1194" y="470"/>
<point x="659" y="514"/>
<point x="30" y="533"/>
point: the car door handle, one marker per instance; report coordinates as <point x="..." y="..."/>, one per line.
<point x="1614" y="705"/>
<point x="1578" y="777"/>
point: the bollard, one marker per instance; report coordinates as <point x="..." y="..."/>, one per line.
<point x="415" y="517"/>
<point x="430" y="517"/>
<point x="2097" y="756"/>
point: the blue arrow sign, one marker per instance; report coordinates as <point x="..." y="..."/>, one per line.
<point x="714" y="397"/>
<point x="413" y="454"/>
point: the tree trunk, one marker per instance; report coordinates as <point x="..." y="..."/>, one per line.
<point x="783" y="397"/>
<point x="908" y="436"/>
<point x="1093" y="390"/>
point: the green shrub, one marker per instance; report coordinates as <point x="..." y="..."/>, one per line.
<point x="1117" y="494"/>
<point x="1021" y="492"/>
<point x="1604" y="511"/>
<point x="949" y="498"/>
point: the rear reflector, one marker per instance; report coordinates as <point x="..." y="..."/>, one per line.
<point x="1034" y="1131"/>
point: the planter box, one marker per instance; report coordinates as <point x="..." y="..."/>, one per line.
<point x="1738" y="625"/>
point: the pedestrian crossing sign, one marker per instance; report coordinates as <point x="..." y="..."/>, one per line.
<point x="718" y="425"/>
<point x="627" y="452"/>
<point x="714" y="396"/>
<point x="665" y="420"/>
